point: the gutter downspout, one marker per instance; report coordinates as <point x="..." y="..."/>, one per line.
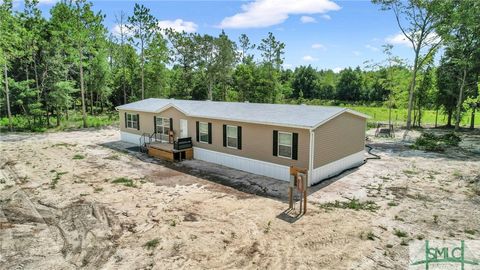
<point x="311" y="155"/>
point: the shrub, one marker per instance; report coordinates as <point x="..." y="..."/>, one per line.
<point x="400" y="233"/>
<point x="152" y="243"/>
<point x="124" y="181"/>
<point x="431" y="142"/>
<point x="354" y="204"/>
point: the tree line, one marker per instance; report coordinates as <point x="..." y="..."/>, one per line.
<point x="70" y="62"/>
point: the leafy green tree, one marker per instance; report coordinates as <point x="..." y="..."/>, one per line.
<point x="349" y="85"/>
<point x="225" y="62"/>
<point x="460" y="28"/>
<point x="272" y="52"/>
<point x="305" y="83"/>
<point x="61" y="97"/>
<point x="417" y="22"/>
<point x="9" y="48"/>
<point x="244" y="81"/>
<point x="245" y="47"/>
<point x="143" y="26"/>
<point x="156" y="55"/>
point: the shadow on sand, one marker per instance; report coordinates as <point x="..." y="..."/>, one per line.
<point x="247" y="183"/>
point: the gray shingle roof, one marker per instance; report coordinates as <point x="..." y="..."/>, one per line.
<point x="303" y="116"/>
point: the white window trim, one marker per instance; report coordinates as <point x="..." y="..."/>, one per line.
<point x="236" y="136"/>
<point x="162" y="126"/>
<point x="200" y="133"/>
<point x="278" y="145"/>
<point x="131" y="121"/>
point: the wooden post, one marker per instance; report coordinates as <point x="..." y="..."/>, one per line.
<point x="290" y="197"/>
<point x="294" y="171"/>
<point x="305" y="201"/>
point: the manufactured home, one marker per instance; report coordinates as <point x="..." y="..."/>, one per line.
<point x="264" y="139"/>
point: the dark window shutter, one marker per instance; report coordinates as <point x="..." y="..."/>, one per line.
<point x="138" y="121"/>
<point x="125" y="119"/>
<point x="275" y="142"/>
<point x="198" y="131"/>
<point x="239" y="136"/>
<point x="171" y="123"/>
<point x="210" y="133"/>
<point x="295" y="146"/>
<point x="154" y="124"/>
<point x="224" y="135"/>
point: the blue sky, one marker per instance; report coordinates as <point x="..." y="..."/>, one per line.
<point x="322" y="33"/>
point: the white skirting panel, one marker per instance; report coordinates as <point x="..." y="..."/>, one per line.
<point x="337" y="166"/>
<point x="244" y="164"/>
<point x="130" y="137"/>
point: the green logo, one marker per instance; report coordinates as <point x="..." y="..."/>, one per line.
<point x="452" y="253"/>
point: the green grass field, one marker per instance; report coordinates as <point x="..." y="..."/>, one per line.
<point x="399" y="116"/>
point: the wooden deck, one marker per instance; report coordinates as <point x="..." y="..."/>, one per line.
<point x="166" y="151"/>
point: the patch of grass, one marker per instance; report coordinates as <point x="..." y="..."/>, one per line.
<point x="83" y="194"/>
<point x="420" y="197"/>
<point x="152" y="244"/>
<point x="392" y="203"/>
<point x="113" y="157"/>
<point x="404" y="242"/>
<point x="410" y="172"/>
<point x="97" y="189"/>
<point x="7" y="187"/>
<point x="124" y="181"/>
<point x="368" y="236"/>
<point x="354" y="204"/>
<point x="58" y="175"/>
<point x="389" y="245"/>
<point x="78" y="156"/>
<point x="268" y="227"/>
<point x="64" y="145"/>
<point x="399" y="233"/>
<point x="420" y="237"/>
<point x="435" y="219"/>
<point x="470" y="231"/>
<point x="173" y="223"/>
<point x="22" y="124"/>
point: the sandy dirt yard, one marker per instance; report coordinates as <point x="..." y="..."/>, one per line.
<point x="80" y="199"/>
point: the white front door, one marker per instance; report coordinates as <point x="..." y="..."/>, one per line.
<point x="183" y="128"/>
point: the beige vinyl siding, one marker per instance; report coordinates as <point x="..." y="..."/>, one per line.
<point x="257" y="139"/>
<point x="145" y="120"/>
<point x="340" y="137"/>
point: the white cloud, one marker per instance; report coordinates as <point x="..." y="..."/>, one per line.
<point x="319" y="46"/>
<point x="398" y="39"/>
<point x="372" y="48"/>
<point x="264" y="13"/>
<point x="326" y="17"/>
<point x="356" y="53"/>
<point x="337" y="69"/>
<point x="47" y="2"/>
<point x="309" y="58"/>
<point x="117" y="29"/>
<point x="179" y="25"/>
<point x="307" y="19"/>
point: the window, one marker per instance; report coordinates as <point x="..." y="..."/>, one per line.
<point x="285" y="144"/>
<point x="163" y="126"/>
<point x="132" y="121"/>
<point x="232" y="136"/>
<point x="203" y="131"/>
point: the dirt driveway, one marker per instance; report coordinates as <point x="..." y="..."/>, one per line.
<point x="76" y="199"/>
